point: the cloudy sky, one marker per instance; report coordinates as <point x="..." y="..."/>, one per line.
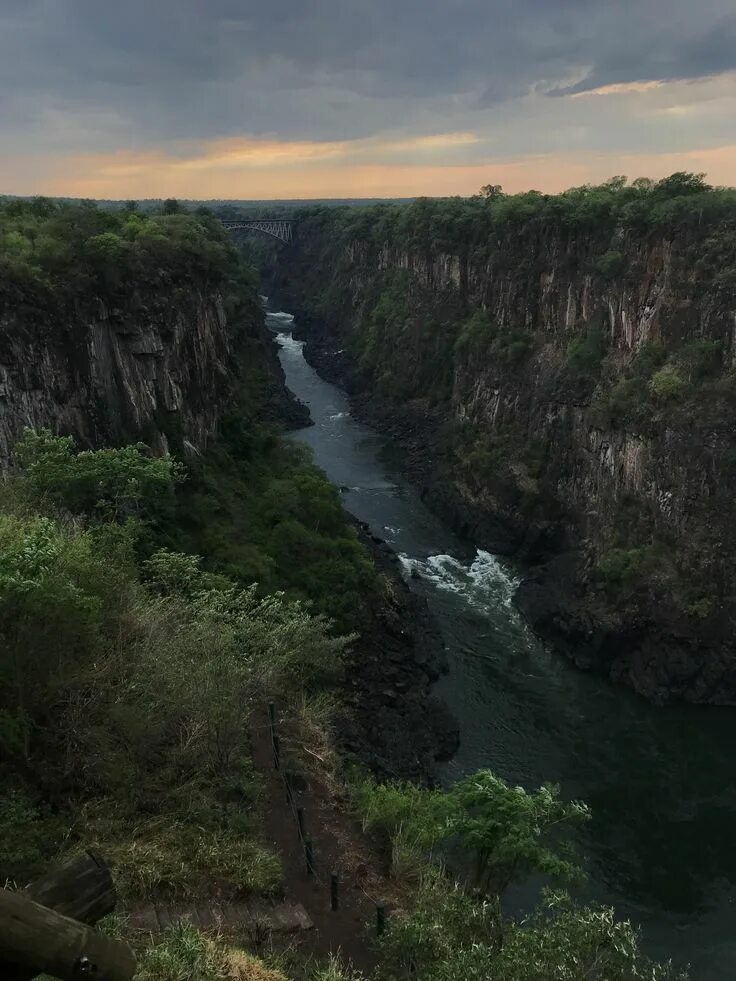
<point x="360" y="98"/>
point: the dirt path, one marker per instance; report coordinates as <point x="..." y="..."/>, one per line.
<point x="339" y="846"/>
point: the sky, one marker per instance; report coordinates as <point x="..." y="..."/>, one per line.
<point x="360" y="98"/>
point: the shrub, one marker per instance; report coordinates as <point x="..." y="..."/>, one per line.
<point x="648" y="357"/>
<point x="700" y="359"/>
<point x="667" y="384"/>
<point x="447" y="935"/>
<point x="28" y="837"/>
<point x="585" y="354"/>
<point x="701" y="608"/>
<point x="620" y="566"/>
<point x="476" y="333"/>
<point x="610" y="264"/>
<point x="108" y="483"/>
<point x="505" y="829"/>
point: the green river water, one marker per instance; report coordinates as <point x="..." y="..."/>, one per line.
<point x="659" y="780"/>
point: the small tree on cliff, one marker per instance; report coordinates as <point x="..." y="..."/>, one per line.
<point x="509" y="832"/>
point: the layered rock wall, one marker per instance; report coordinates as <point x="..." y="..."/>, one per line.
<point x="542" y="429"/>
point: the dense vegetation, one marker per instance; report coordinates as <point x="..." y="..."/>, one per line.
<point x="597" y="231"/>
<point x="261" y="512"/>
<point x="59" y="260"/>
<point x="148" y="607"/>
<point x="468" y="224"/>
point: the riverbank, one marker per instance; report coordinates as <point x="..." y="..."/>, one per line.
<point x="658" y="846"/>
<point x="418" y="431"/>
<point x="391" y="721"/>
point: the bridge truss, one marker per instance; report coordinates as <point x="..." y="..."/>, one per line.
<point x="280" y="228"/>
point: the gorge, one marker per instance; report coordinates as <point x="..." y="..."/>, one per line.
<point x="559" y="373"/>
<point x="657" y="778"/>
<point x="556" y="391"/>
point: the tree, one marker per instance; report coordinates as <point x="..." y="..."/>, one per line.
<point x="108" y="483"/>
<point x="171" y="207"/>
<point x="511" y="832"/>
<point x="681" y="184"/>
<point x="508" y="831"/>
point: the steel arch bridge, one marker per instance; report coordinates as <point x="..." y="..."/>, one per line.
<point x="280" y="228"/>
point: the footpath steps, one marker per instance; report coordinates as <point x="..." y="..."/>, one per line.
<point x="241" y="917"/>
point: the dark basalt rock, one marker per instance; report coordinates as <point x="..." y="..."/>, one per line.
<point x="607" y="478"/>
<point x="391" y="722"/>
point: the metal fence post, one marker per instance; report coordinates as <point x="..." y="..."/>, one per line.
<point x="380" y="918"/>
<point x="333" y="891"/>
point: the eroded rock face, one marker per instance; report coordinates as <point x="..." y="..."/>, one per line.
<point x="525" y="454"/>
<point x="159" y="375"/>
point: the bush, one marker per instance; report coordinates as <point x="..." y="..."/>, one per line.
<point x="620" y="566"/>
<point x="28" y="837"/>
<point x="476" y="333"/>
<point x="700" y="359"/>
<point x="447" y="936"/>
<point x="585" y="354"/>
<point x="667" y="384"/>
<point x="109" y="483"/>
<point x="610" y="264"/>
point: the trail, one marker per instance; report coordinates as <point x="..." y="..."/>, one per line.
<point x="339" y="845"/>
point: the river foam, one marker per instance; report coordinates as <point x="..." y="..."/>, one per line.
<point x="484" y="582"/>
<point x="279" y="320"/>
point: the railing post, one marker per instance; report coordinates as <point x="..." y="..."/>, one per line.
<point x="333" y="891"/>
<point x="380" y="919"/>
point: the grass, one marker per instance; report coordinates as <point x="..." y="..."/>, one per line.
<point x="170" y="857"/>
<point x="186" y="954"/>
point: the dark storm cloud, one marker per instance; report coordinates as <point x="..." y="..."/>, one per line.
<point x="171" y="69"/>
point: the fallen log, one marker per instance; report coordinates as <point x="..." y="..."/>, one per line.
<point x="81" y="890"/>
<point x="43" y="941"/>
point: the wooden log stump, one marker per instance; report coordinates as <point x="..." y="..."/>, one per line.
<point x="82" y="891"/>
<point x="41" y="940"/>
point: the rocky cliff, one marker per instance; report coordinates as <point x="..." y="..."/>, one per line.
<point x="154" y="368"/>
<point x="565" y="390"/>
<point x="122" y="375"/>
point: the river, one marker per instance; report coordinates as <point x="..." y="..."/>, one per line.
<point x="659" y="780"/>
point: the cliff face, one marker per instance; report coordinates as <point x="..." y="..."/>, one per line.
<point x="566" y="396"/>
<point x="121" y="376"/>
<point x="162" y="371"/>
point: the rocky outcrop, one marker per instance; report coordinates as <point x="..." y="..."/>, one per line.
<point x="565" y="396"/>
<point x="148" y="375"/>
<point x="391" y="722"/>
<point x="161" y="370"/>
